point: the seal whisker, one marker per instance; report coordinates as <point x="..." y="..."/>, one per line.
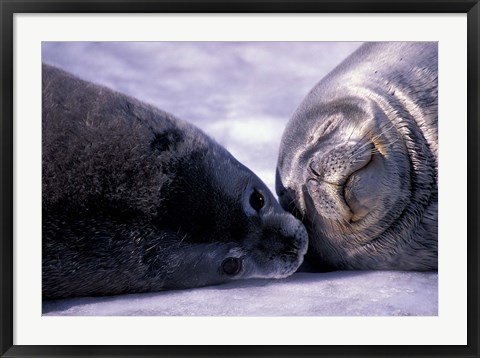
<point x="151" y="247"/>
<point x="384" y="130"/>
<point x="356" y="129"/>
<point x="182" y="239"/>
<point x="382" y="126"/>
<point x="358" y="151"/>
<point x="374" y="138"/>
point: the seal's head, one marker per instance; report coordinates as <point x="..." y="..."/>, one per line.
<point x="347" y="178"/>
<point x="357" y="164"/>
<point x="234" y="226"/>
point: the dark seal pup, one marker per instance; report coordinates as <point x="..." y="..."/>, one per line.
<point x="358" y="161"/>
<point x="135" y="200"/>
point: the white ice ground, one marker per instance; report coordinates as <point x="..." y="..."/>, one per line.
<point x="353" y="293"/>
<point x="242" y="94"/>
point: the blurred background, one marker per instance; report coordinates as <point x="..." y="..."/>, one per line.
<point x="240" y="93"/>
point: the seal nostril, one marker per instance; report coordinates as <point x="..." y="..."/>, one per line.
<point x="313" y="170"/>
<point x="291" y="244"/>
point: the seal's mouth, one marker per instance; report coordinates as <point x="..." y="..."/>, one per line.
<point x="346" y="191"/>
<point x="361" y="190"/>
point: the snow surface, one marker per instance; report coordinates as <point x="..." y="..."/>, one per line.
<point x="242" y="94"/>
<point x="347" y="293"/>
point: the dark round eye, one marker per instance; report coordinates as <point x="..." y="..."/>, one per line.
<point x="232" y="265"/>
<point x="257" y="200"/>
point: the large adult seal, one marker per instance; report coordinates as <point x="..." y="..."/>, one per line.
<point x="358" y="161"/>
<point x="136" y="200"/>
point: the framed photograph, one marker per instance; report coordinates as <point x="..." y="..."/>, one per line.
<point x="166" y="166"/>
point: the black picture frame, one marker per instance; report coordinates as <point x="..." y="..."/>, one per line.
<point x="9" y="7"/>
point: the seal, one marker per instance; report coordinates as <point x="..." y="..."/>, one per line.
<point x="136" y="200"/>
<point x="358" y="161"/>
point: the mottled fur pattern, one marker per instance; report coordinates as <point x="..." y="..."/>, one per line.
<point x="137" y="200"/>
<point x="358" y="161"/>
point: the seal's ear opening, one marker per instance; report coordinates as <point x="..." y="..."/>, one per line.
<point x="232" y="266"/>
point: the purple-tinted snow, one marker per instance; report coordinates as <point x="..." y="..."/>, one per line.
<point x="353" y="293"/>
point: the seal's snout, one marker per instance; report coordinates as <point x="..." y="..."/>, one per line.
<point x="296" y="243"/>
<point x="336" y="165"/>
<point x="300" y="237"/>
<point x="279" y="249"/>
<point x="302" y="243"/>
<point x="291" y="248"/>
<point x="361" y="191"/>
<point x="291" y="233"/>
